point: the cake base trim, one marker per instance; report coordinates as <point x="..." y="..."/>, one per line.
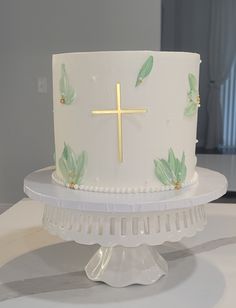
<point x="124" y="190"/>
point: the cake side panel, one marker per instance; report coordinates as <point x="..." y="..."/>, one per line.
<point x="146" y="136"/>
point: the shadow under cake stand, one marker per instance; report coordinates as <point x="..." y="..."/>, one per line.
<point x="126" y="226"/>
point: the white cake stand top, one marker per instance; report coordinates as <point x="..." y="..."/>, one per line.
<point x="39" y="186"/>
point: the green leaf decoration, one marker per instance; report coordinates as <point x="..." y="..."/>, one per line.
<point x="171" y="172"/>
<point x="171" y="159"/>
<point x="67" y="92"/>
<point x="183" y="168"/>
<point x="192" y="81"/>
<point x="145" y="70"/>
<point x="72" y="166"/>
<point x="193" y="97"/>
<point x="190" y="109"/>
<point x="161" y="173"/>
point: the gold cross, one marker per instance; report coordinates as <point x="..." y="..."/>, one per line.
<point x="119" y="111"/>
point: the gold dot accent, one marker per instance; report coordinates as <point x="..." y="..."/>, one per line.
<point x="178" y="185"/>
<point x="198" y="100"/>
<point x="72" y="186"/>
<point x="62" y="100"/>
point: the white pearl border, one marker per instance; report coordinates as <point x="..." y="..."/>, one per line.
<point x="125" y="190"/>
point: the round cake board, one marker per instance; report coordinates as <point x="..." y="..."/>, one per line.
<point x="40" y="186"/>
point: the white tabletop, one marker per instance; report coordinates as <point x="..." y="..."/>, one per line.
<point x="40" y="270"/>
<point x="223" y="163"/>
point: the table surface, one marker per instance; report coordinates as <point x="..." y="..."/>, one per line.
<point x="223" y="163"/>
<point x="40" y="270"/>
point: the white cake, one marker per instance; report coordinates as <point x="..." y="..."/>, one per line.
<point x="125" y="121"/>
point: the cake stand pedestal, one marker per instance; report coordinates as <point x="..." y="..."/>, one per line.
<point x="126" y="226"/>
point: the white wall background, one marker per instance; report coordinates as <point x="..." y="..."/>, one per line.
<point x="30" y="32"/>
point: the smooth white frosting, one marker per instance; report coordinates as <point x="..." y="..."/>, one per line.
<point x="146" y="136"/>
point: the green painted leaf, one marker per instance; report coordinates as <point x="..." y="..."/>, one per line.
<point x="70" y="96"/>
<point x="69" y="157"/>
<point x="171" y="172"/>
<point x="183" y="159"/>
<point x="65" y="152"/>
<point x="178" y="170"/>
<point x="66" y="91"/>
<point x="72" y="167"/>
<point x="192" y="82"/>
<point x="63" y="169"/>
<point x="160" y="173"/>
<point x="145" y="70"/>
<point x="171" y="159"/>
<point x="190" y="109"/>
<point x="81" y="163"/>
<point x="183" y="173"/>
<point x="193" y="96"/>
<point x="183" y="168"/>
<point x="168" y="172"/>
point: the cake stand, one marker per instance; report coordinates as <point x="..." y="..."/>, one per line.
<point x="126" y="226"/>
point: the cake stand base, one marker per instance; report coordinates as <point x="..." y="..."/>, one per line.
<point x="126" y="226"/>
<point x="126" y="255"/>
<point x="122" y="266"/>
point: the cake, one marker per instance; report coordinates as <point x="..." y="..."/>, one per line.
<point x="125" y="121"/>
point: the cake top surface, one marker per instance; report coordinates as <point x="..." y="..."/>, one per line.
<point x="163" y="53"/>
